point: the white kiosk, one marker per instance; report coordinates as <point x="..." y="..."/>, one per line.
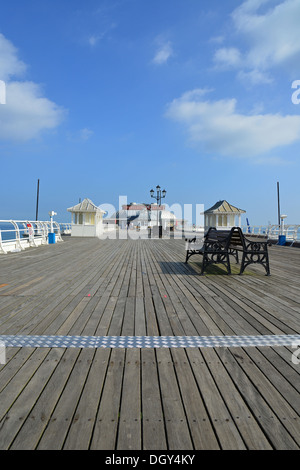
<point x="87" y="219"/>
<point x="223" y="216"/>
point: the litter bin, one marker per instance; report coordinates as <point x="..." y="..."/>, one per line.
<point x="51" y="238"/>
<point x="281" y="240"/>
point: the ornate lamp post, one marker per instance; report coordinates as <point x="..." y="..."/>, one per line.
<point x="160" y="194"/>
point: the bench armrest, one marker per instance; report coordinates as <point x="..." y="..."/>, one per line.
<point x="255" y="245"/>
<point x="194" y="243"/>
<point x="214" y="245"/>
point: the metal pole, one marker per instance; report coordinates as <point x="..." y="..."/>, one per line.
<point x="158" y="204"/>
<point x="37" y="200"/>
<point x="278" y="203"/>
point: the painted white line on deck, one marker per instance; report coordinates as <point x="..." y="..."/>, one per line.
<point x="21" y="341"/>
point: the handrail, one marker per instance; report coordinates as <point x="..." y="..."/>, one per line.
<point x="65" y="228"/>
<point x="17" y="235"/>
<point x="272" y="232"/>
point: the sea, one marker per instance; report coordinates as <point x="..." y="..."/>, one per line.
<point x="274" y="231"/>
<point x="8" y="230"/>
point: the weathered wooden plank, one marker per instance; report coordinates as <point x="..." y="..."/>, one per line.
<point x="178" y="433"/>
<point x="20" y="408"/>
<point x="140" y="317"/>
<point x="264" y="402"/>
<point x="81" y="429"/>
<point x="225" y="428"/>
<point x="26" y="371"/>
<point x="106" y="423"/>
<point x="153" y="427"/>
<point x="58" y="367"/>
<point x="202" y="432"/>
<point x="56" y="431"/>
<point x="129" y="433"/>
<point x="238" y="411"/>
<point x="279" y="373"/>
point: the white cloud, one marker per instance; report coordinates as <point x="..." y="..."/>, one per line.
<point x="272" y="38"/>
<point x="216" y="39"/>
<point x="254" y="77"/>
<point x="102" y="32"/>
<point x="164" y="52"/>
<point x="93" y="40"/>
<point x="27" y="112"/>
<point x="10" y="64"/>
<point x="80" y="135"/>
<point x="85" y="133"/>
<point x="219" y="128"/>
<point x="228" y="57"/>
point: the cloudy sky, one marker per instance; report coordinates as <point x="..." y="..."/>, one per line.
<point x="108" y="98"/>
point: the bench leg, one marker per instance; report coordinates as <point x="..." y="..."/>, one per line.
<point x="228" y="265"/>
<point x="242" y="265"/>
<point x="188" y="255"/>
<point x="267" y="266"/>
<point x="263" y="259"/>
<point x="207" y="261"/>
<point x="203" y="266"/>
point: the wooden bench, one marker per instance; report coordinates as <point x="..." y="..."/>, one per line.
<point x="217" y="246"/>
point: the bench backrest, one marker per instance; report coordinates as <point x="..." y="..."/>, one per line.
<point x="221" y="236"/>
<point x="234" y="236"/>
<point x="237" y="237"/>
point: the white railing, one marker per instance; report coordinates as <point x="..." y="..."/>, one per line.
<point x="272" y="232"/>
<point x="189" y="228"/>
<point x="17" y="235"/>
<point x="65" y="228"/>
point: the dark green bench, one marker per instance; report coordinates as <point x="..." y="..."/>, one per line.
<point x="217" y="246"/>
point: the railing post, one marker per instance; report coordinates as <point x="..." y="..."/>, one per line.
<point x="2" y="250"/>
<point x="18" y="238"/>
<point x="58" y="231"/>
<point x="31" y="239"/>
<point x="44" y="234"/>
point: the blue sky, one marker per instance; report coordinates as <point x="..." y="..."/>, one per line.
<point x="112" y="97"/>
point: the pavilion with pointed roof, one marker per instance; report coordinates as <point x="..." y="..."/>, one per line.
<point x="87" y="219"/>
<point x="223" y="215"/>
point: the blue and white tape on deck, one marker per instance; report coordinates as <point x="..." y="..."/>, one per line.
<point x="44" y="341"/>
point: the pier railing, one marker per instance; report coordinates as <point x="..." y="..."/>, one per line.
<point x="65" y="228"/>
<point x="17" y="235"/>
<point x="272" y="232"/>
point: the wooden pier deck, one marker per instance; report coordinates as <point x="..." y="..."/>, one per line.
<point x="147" y="398"/>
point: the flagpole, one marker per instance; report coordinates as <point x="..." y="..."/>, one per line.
<point x="278" y="203"/>
<point x="37" y="200"/>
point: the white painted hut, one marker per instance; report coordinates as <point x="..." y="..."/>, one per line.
<point x="87" y="219"/>
<point x="168" y="219"/>
<point x="223" y="215"/>
<point x="143" y="215"/>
